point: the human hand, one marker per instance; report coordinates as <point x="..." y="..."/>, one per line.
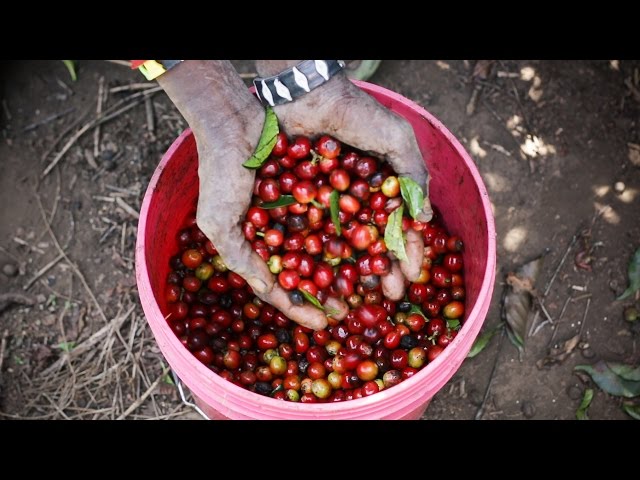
<point x="227" y="127"/>
<point x="341" y="109"/>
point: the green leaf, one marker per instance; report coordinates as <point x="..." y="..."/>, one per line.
<point x="277" y="389"/>
<point x="632" y="410"/>
<point x="483" y="340"/>
<point x="418" y="310"/>
<point x="581" y="413"/>
<point x="71" y="66"/>
<point x="634" y="276"/>
<point x="516" y="342"/>
<point x="335" y="210"/>
<point x="66" y="346"/>
<point x="331" y="311"/>
<point x="627" y="372"/>
<point x="267" y="140"/>
<point x="453" y="324"/>
<point x="608" y="381"/>
<point x="311" y="299"/>
<point x="283" y="201"/>
<point x="393" y="236"/>
<point x="412" y="194"/>
<point x="167" y="379"/>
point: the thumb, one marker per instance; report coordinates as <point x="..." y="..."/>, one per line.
<point x="412" y="267"/>
<point x="305" y="315"/>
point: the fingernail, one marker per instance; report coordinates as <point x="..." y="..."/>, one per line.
<point x="425" y="215"/>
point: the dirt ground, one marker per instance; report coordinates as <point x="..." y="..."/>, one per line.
<point x="550" y="138"/>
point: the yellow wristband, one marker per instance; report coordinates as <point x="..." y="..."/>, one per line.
<point x="152" y="69"/>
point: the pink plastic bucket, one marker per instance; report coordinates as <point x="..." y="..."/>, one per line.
<point x="456" y="189"/>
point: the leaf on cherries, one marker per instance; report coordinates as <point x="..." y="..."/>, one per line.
<point x="416" y="309"/>
<point x="283" y="201"/>
<point x="393" y="236"/>
<point x="412" y="195"/>
<point x="311" y="299"/>
<point x="267" y="140"/>
<point x="335" y="210"/>
<point x="453" y="324"/>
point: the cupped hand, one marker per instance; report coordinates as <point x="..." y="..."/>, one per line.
<point x="227" y="121"/>
<point x="226" y="188"/>
<point x="341" y="109"/>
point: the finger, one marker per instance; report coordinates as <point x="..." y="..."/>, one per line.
<point x="235" y="251"/>
<point x="393" y="283"/>
<point x="336" y="308"/>
<point x="406" y="158"/>
<point x="427" y="212"/>
<point x="306" y="315"/>
<point x="414" y="247"/>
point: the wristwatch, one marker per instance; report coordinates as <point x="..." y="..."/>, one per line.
<point x="295" y="81"/>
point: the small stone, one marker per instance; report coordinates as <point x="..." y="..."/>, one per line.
<point x="40" y="298"/>
<point x="10" y="269"/>
<point x="109" y="165"/>
<point x="475" y="397"/>
<point x="528" y="409"/>
<point x="588" y="353"/>
<point x="106" y="155"/>
<point x="619" y="187"/>
<point x="574" y="392"/>
<point x="48" y="320"/>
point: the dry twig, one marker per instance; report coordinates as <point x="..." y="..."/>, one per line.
<point x="73" y="266"/>
<point x="3" y="346"/>
<point x="127" y="208"/>
<point x="42" y="271"/>
<point x="144" y="396"/>
<point x="96" y="132"/>
<point x="98" y="121"/>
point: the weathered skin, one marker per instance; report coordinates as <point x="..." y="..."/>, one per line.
<point x="227" y="121"/>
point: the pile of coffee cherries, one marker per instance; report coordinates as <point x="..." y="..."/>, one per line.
<point x="379" y="343"/>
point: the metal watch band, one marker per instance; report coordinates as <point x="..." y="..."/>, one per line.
<point x="296" y="81"/>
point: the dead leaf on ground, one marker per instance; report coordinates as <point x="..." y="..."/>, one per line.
<point x="40" y="354"/>
<point x="483" y="340"/>
<point x="560" y="354"/>
<point x="634" y="154"/>
<point x="482" y="69"/>
<point x="519" y="299"/>
<point x="581" y="413"/>
<point x="633" y="410"/>
<point x="614" y="378"/>
<point x="633" y="273"/>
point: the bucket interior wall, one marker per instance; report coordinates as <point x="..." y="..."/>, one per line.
<point x="456" y="190"/>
